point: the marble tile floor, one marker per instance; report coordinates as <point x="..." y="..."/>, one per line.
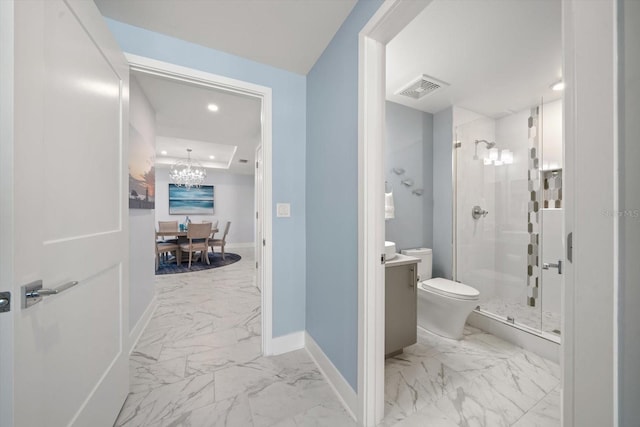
<point x="198" y="362"/>
<point x="480" y="380"/>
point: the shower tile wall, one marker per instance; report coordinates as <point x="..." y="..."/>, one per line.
<point x="533" y="208"/>
<point x="512" y="197"/>
<point x="475" y="251"/>
<point x="492" y="252"/>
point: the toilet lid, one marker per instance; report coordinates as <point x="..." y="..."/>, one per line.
<point x="451" y="289"/>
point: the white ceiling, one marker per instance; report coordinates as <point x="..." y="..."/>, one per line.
<point x="497" y="56"/>
<point x="288" y="34"/>
<point x="183" y="121"/>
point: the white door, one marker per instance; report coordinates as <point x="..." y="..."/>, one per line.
<point x="259" y="213"/>
<point x="65" y="359"/>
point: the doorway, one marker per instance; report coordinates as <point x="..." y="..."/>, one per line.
<point x="593" y="55"/>
<point x="261" y="94"/>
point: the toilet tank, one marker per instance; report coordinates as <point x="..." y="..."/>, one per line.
<point x="424" y="266"/>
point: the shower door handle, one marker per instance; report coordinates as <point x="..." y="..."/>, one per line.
<point x="546" y="266"/>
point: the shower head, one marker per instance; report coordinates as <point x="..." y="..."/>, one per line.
<point x="489" y="144"/>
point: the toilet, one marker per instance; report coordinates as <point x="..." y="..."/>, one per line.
<point x="443" y="305"/>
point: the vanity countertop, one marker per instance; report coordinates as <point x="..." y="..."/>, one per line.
<point x="401" y="259"/>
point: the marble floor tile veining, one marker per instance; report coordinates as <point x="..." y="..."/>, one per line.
<point x="480" y="380"/>
<point x="199" y="363"/>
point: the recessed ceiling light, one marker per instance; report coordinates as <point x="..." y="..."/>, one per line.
<point x="558" y="86"/>
<point x="212" y="157"/>
<point x="212" y="107"/>
<point x="163" y="152"/>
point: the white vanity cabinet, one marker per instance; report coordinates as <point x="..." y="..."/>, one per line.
<point x="401" y="280"/>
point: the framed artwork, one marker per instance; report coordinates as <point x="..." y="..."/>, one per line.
<point x="192" y="201"/>
<point x="142" y="172"/>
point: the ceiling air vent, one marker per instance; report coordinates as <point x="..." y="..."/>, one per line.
<point x="243" y="161"/>
<point x="421" y="87"/>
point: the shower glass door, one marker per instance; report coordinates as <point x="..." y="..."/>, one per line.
<point x="506" y="190"/>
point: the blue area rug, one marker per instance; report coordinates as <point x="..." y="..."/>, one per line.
<point x="214" y="259"/>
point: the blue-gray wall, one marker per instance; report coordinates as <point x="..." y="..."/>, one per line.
<point x="442" y="193"/>
<point x="409" y="145"/>
<point x="332" y="195"/>
<point x="289" y="134"/>
<point x="629" y="320"/>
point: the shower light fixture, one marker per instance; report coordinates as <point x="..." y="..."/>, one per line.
<point x="506" y="156"/>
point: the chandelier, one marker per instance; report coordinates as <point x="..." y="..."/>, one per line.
<point x="187" y="173"/>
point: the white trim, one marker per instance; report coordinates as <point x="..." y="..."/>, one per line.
<point x="616" y="219"/>
<point x="286" y="343"/>
<point x="340" y="386"/>
<point x="371" y="235"/>
<point x="590" y="126"/>
<point x="138" y="329"/>
<point x="264" y="93"/>
<point x="6" y="209"/>
<point x="389" y="19"/>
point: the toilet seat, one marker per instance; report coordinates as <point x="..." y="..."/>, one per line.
<point x="450" y="289"/>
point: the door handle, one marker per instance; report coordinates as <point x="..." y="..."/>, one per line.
<point x="546" y="266"/>
<point x="5" y="302"/>
<point x="33" y="292"/>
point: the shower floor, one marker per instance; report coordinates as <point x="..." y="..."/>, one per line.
<point x="525" y="315"/>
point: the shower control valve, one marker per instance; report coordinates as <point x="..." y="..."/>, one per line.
<point x="478" y="212"/>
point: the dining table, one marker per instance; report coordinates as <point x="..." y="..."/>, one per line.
<point x="180" y="234"/>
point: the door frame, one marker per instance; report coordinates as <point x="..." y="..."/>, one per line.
<point x="259" y="208"/>
<point x="263" y="93"/>
<point x="589" y="115"/>
<point x="386" y="23"/>
<point x="6" y="206"/>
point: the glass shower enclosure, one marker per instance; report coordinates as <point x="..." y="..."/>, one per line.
<point x="508" y="215"/>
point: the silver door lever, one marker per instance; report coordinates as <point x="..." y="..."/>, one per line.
<point x="33" y="292"/>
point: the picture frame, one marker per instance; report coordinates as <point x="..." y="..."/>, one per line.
<point x="192" y="201"/>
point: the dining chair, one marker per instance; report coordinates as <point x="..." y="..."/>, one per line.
<point x="167" y="226"/>
<point x="198" y="241"/>
<point x="221" y="242"/>
<point x="214" y="229"/>
<point x="165" y="248"/>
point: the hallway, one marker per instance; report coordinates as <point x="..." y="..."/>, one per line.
<point x="198" y="362"/>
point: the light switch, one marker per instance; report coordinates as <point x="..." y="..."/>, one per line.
<point x="283" y="210"/>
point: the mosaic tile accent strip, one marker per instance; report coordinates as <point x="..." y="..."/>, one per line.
<point x="552" y="195"/>
<point x="533" y="211"/>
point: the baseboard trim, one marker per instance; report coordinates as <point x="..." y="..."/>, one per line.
<point x="136" y="332"/>
<point x="340" y="386"/>
<point x="287" y="343"/>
